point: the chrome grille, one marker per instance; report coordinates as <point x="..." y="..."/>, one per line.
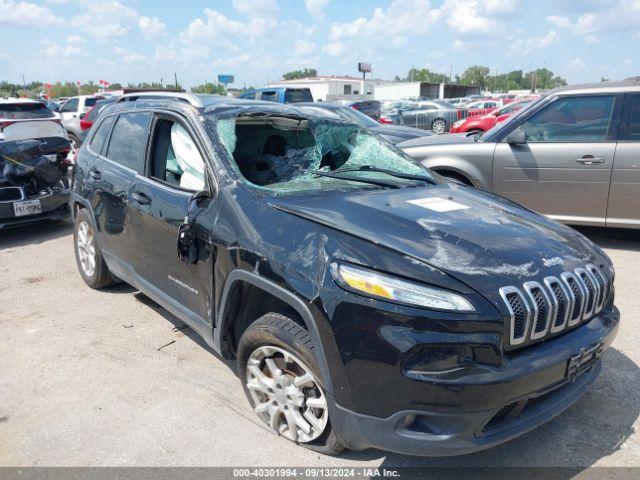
<point x="590" y="292"/>
<point x="519" y="312"/>
<point x="541" y="309"/>
<point x="577" y="290"/>
<point x="561" y="300"/>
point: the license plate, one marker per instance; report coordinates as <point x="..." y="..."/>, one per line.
<point x="28" y="207"/>
<point x="584" y="360"/>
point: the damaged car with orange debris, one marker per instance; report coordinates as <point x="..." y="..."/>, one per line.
<point x="368" y="301"/>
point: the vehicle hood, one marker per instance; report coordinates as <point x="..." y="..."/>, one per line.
<point x="444" y="139"/>
<point x="399" y="133"/>
<point x="484" y="240"/>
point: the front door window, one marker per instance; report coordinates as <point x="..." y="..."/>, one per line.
<point x="176" y="159"/>
<point x="573" y="119"/>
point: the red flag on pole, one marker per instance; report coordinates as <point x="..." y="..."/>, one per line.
<point x="78" y="82"/>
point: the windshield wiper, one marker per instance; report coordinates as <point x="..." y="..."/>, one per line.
<point x="371" y="168"/>
<point x="352" y="178"/>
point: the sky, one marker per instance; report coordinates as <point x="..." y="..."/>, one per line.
<point x="259" y="40"/>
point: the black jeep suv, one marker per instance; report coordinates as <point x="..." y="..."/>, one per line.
<point x="369" y="302"/>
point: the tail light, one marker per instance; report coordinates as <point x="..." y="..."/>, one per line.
<point x="84" y="123"/>
<point x="3" y="125"/>
<point x="385" y="120"/>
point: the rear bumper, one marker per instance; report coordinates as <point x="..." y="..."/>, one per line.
<point x="522" y="402"/>
<point x="54" y="207"/>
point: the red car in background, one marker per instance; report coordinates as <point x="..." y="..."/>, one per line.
<point x="481" y="107"/>
<point x="482" y="123"/>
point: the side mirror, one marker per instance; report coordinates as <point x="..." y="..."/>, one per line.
<point x="517" y="137"/>
<point x="187" y="238"/>
<point x="200" y="196"/>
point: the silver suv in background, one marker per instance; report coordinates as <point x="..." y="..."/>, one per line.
<point x="573" y="155"/>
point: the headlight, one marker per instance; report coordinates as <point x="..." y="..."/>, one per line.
<point x="390" y="288"/>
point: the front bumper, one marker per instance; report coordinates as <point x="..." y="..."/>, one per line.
<point x="55" y="206"/>
<point x="529" y="390"/>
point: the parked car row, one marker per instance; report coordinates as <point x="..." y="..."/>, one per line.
<point x="482" y="122"/>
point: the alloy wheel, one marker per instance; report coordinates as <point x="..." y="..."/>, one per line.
<point x="85" y="244"/>
<point x="439" y="126"/>
<point x="286" y="395"/>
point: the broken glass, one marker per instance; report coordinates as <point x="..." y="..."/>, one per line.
<point x="283" y="154"/>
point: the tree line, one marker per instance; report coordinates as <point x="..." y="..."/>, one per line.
<point x="69" y="89"/>
<point x="540" y="78"/>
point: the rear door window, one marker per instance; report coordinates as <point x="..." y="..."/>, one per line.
<point x="269" y="96"/>
<point x="630" y="125"/>
<point x="24" y="111"/>
<point x="128" y="143"/>
<point x="573" y="119"/>
<point x="102" y="132"/>
<point x="70" y="106"/>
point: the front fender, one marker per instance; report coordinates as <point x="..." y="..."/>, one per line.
<point x="480" y="176"/>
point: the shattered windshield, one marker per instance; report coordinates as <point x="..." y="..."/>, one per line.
<point x="286" y="153"/>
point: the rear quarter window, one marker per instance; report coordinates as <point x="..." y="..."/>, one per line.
<point x="25" y="111"/>
<point x="295" y="96"/>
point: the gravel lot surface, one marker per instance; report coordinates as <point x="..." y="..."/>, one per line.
<point x="109" y="378"/>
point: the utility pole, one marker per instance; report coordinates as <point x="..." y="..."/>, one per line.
<point x="533" y="82"/>
<point x="175" y="76"/>
<point x="450" y="73"/>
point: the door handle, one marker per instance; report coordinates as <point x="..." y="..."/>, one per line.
<point x="141" y="198"/>
<point x="589" y="160"/>
<point x="95" y="174"/>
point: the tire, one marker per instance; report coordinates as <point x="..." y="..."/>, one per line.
<point x="439" y="125"/>
<point x="91" y="264"/>
<point x="274" y="396"/>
